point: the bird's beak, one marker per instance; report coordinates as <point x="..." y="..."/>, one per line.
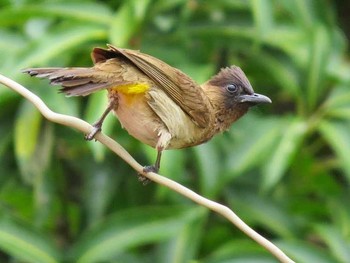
<point x="255" y="98"/>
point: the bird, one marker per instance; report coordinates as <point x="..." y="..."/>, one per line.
<point x="156" y="103"/>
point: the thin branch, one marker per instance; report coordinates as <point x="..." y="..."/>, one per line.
<point x="122" y="153"/>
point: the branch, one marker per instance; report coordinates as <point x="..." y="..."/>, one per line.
<point x="122" y="153"/>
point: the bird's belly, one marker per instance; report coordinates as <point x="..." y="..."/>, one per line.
<point x="138" y="118"/>
<point x="144" y="115"/>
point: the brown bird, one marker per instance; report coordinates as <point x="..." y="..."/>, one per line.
<point x="156" y="103"/>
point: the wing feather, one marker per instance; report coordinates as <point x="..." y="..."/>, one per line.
<point x="177" y="85"/>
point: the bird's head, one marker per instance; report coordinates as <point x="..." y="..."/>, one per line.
<point x="234" y="88"/>
<point x="231" y="94"/>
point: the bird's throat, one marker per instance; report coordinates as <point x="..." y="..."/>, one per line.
<point x="225" y="117"/>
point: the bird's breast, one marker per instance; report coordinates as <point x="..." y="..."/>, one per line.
<point x="137" y="117"/>
<point x="184" y="131"/>
<point x="144" y="114"/>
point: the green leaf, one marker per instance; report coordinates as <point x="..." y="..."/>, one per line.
<point x="209" y="167"/>
<point x="12" y="195"/>
<point x="281" y="71"/>
<point x="6" y="95"/>
<point x="338" y="103"/>
<point x="320" y="51"/>
<point x="292" y="41"/>
<point x="338" y="136"/>
<point x="6" y="134"/>
<point x="338" y="244"/>
<point x="23" y="243"/>
<point x="164" y="5"/>
<point x="131" y="228"/>
<point x="303" y="252"/>
<point x="243" y="31"/>
<point x="87" y="12"/>
<point x="302" y="11"/>
<point x="239" y="251"/>
<point x="262" y="13"/>
<point x="340" y="214"/>
<point x="57" y="42"/>
<point x="127" y="21"/>
<point x="33" y="147"/>
<point x="27" y="130"/>
<point x="54" y="99"/>
<point x="257" y="210"/>
<point x="252" y="139"/>
<point x="292" y="136"/>
<point x="184" y="246"/>
<point x="10" y="42"/>
<point x="102" y="182"/>
<point x="42" y="182"/>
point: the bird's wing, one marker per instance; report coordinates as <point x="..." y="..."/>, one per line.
<point x="177" y="85"/>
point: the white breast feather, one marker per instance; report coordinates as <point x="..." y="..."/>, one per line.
<point x="175" y="119"/>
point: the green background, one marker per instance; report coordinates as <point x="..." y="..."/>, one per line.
<point x="284" y="168"/>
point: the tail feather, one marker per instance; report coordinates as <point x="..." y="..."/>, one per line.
<point x="40" y="72"/>
<point x="84" y="90"/>
<point x="70" y="83"/>
<point x="74" y="81"/>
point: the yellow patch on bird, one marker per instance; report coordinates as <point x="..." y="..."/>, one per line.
<point x="132" y="89"/>
<point x="131" y="93"/>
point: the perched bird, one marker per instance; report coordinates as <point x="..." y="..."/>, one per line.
<point x="156" y="103"/>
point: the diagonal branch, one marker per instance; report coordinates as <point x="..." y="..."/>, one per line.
<point x="122" y="153"/>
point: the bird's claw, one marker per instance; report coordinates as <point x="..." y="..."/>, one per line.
<point x="150" y="169"/>
<point x="147" y="169"/>
<point x="91" y="135"/>
<point x="143" y="179"/>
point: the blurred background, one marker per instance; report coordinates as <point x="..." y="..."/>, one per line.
<point x="284" y="168"/>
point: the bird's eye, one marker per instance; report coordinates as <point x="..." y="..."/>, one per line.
<point x="231" y="88"/>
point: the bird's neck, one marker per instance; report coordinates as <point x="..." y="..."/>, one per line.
<point x="223" y="116"/>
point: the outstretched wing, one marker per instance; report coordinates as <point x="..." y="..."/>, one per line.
<point x="177" y="85"/>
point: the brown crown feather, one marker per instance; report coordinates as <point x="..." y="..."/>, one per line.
<point x="232" y="75"/>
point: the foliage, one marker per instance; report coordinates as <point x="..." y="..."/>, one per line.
<point x="284" y="168"/>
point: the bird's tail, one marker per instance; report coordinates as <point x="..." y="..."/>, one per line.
<point x="74" y="81"/>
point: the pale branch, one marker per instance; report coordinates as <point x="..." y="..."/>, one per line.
<point x="122" y="153"/>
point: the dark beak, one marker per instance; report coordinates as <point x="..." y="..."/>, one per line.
<point x="255" y="98"/>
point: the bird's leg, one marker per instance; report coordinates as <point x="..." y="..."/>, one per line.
<point x="154" y="168"/>
<point x="113" y="103"/>
<point x="164" y="138"/>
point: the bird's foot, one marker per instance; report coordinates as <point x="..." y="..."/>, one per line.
<point x="147" y="169"/>
<point x="143" y="179"/>
<point x="150" y="169"/>
<point x="91" y="135"/>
